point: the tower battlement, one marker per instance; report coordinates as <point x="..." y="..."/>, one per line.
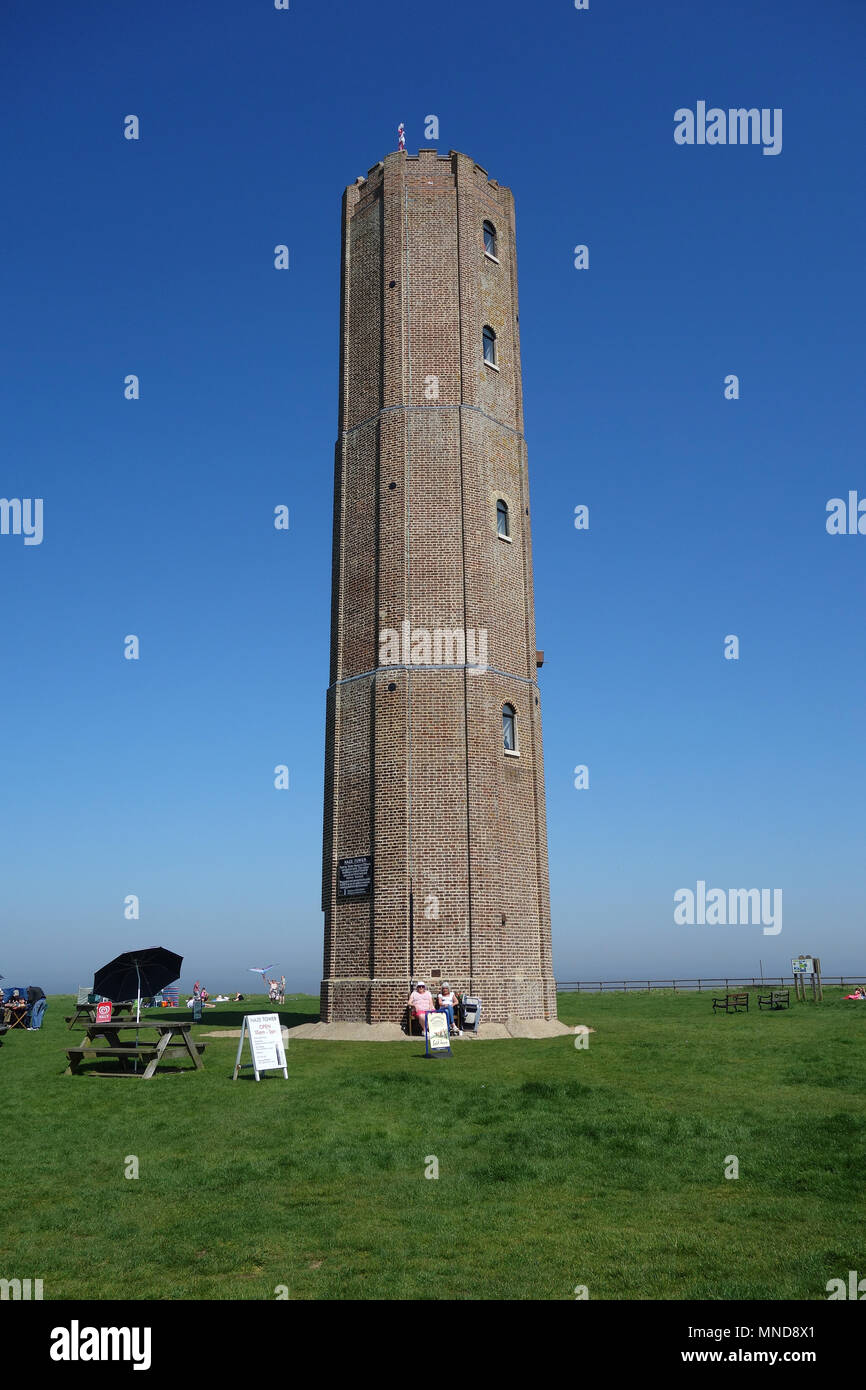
<point x="425" y="156"/>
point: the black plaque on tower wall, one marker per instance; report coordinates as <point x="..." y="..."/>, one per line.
<point x="355" y="877"/>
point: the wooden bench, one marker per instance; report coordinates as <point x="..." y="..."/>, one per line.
<point x="732" y="1003"/>
<point x="124" y="1052"/>
<point x="776" y="999"/>
<point x="413" y="1022"/>
<point x="140" y="1050"/>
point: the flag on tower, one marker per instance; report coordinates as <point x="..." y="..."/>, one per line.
<point x="401" y="136"/>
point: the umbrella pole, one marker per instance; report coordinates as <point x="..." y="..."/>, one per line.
<point x="137" y="1009"/>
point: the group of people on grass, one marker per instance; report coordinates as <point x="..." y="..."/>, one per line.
<point x="422" y="1002"/>
<point x="200" y="996"/>
<point x="17" y="1007"/>
<point x="276" y="993"/>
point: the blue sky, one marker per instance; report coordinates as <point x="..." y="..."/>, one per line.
<point x="707" y="516"/>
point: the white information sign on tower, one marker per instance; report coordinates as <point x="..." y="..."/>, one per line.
<point x="266" y="1045"/>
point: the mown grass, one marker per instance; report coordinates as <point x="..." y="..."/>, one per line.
<point x="557" y="1166"/>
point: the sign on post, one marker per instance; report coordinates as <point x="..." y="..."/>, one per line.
<point x="103" y="1013"/>
<point x="802" y="966"/>
<point x="437" y="1041"/>
<point x="266" y="1045"/>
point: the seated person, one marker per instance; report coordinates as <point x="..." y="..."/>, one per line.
<point x="859" y="993"/>
<point x="16" y="1007"/>
<point x="447" y="1001"/>
<point x="420" y="1004"/>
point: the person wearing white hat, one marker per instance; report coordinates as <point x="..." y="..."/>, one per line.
<point x="420" y="1004"/>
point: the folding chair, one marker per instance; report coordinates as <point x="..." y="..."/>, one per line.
<point x="15" y="1017"/>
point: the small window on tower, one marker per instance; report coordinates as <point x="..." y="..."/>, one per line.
<point x="503" y="525"/>
<point x="489" y="345"/>
<point x="509" y="729"/>
<point x="490" y="240"/>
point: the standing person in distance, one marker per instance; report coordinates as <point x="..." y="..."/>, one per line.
<point x="36" y="1003"/>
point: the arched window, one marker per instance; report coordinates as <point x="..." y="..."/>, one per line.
<point x="503" y="526"/>
<point x="490" y="239"/>
<point x="509" y="729"/>
<point x="489" y="345"/>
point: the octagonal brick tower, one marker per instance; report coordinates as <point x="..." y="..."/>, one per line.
<point x="435" y="844"/>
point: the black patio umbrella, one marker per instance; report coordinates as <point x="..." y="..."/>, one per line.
<point x="137" y="973"/>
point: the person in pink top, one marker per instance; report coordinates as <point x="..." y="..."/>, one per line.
<point x="420" y="1004"/>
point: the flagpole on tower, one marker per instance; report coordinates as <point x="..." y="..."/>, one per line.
<point x="401" y="136"/>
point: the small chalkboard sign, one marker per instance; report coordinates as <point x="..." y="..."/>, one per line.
<point x="355" y="876"/>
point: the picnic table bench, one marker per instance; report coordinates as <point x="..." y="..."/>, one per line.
<point x="732" y="1003"/>
<point x="173" y="1041"/>
<point x="776" y="999"/>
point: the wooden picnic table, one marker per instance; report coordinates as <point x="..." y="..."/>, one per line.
<point x="88" y="1012"/>
<point x="171" y="1035"/>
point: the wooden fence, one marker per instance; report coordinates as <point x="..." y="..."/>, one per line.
<point x="729" y="982"/>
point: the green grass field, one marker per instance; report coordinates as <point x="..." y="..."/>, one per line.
<point x="558" y="1167"/>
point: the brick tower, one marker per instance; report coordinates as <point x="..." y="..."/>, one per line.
<point x="435" y="842"/>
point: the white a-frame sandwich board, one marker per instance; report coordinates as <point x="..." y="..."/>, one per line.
<point x="266" y="1045"/>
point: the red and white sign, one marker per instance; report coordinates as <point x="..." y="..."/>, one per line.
<point x="103" y="1013"/>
